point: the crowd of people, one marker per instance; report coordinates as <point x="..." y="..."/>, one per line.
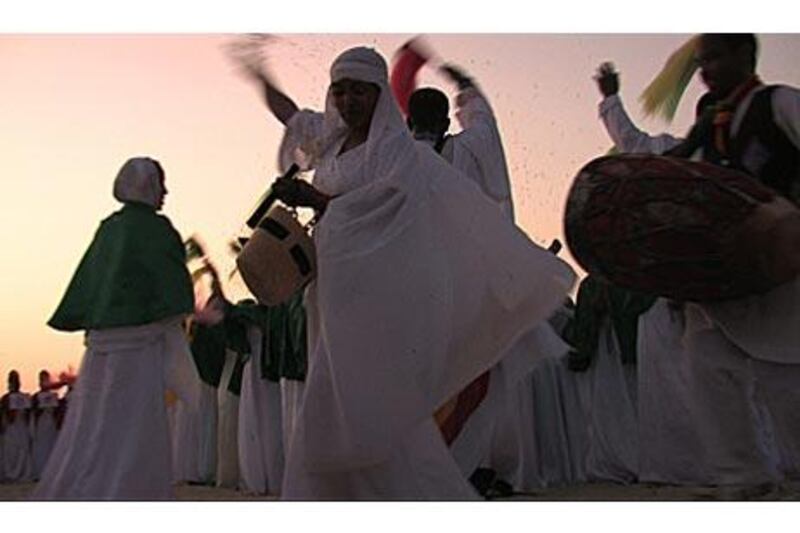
<point x="29" y="425"/>
<point x="436" y="354"/>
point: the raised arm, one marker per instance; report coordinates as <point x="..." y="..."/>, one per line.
<point x="623" y="132"/>
<point x="277" y="101"/>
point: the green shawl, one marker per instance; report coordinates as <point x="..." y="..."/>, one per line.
<point x="133" y="273"/>
<point x="597" y="302"/>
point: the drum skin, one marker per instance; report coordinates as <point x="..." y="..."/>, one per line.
<point x="685" y="230"/>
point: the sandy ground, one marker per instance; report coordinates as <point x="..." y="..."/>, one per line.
<point x="586" y="492"/>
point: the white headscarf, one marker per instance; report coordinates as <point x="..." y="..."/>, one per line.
<point x="359" y="64"/>
<point x="139" y="180"/>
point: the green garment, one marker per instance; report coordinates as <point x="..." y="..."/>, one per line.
<point x="238" y="319"/>
<point x="133" y="273"/>
<point x="287" y="352"/>
<point x="208" y="350"/>
<point x="283" y="349"/>
<point x="597" y="302"/>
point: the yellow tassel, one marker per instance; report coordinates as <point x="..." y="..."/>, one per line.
<point x="664" y="93"/>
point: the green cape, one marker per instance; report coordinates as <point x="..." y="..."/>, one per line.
<point x="133" y="273"/>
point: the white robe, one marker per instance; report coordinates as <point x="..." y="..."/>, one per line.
<point x="16" y="440"/>
<point x="260" y="425"/>
<point x="365" y="423"/>
<point x="43" y="430"/>
<point x="516" y="444"/>
<point x="758" y="329"/>
<point x="291" y="396"/>
<point x="185" y="418"/>
<point x="227" y="474"/>
<point x="207" y="434"/>
<point x="734" y="426"/>
<point x="115" y="443"/>
<point x="670" y="448"/>
<point x="608" y="393"/>
<point x="499" y="434"/>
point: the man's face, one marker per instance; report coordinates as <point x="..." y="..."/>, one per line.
<point x="355" y="100"/>
<point x="722" y="69"/>
<point x="44" y="380"/>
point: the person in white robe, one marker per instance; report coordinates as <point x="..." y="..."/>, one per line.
<point x="185" y="418"/>
<point x="413" y="264"/>
<point x="606" y="381"/>
<point x="260" y="426"/>
<point x="228" y="402"/>
<point x="499" y="435"/>
<point x="746" y="421"/>
<point x="130" y="295"/>
<point x="15" y="409"/>
<point x="44" y="423"/>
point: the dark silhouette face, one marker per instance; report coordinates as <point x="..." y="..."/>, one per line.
<point x="44" y="379"/>
<point x="723" y="67"/>
<point x="13" y="381"/>
<point x="355" y="100"/>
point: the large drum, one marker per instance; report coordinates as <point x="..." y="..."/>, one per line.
<point x="681" y="229"/>
<point x="279" y="258"/>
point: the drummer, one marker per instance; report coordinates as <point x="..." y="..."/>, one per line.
<point x="753" y="126"/>
<point x="751" y="341"/>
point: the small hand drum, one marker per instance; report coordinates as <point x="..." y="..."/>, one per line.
<point x="279" y="258"/>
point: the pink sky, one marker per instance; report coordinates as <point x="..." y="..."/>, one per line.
<point x="75" y="107"/>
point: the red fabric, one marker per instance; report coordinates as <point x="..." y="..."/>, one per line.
<point x="724" y="115"/>
<point x="468" y="400"/>
<point x="403" y="79"/>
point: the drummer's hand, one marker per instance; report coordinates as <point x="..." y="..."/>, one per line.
<point x="607" y="80"/>
<point x="299" y="193"/>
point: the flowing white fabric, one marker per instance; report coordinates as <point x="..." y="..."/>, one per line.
<point x="139" y="180"/>
<point x="477" y="150"/>
<point x="16" y="440"/>
<point x="761" y="327"/>
<point x="260" y="425"/>
<point x="291" y="395"/>
<point x="207" y="430"/>
<point x="184" y="381"/>
<point x="515" y="453"/>
<point x="227" y="475"/>
<point x="778" y="386"/>
<point x="735" y="428"/>
<point x="608" y="390"/>
<point x="115" y="444"/>
<point x="477" y="153"/>
<point x="422" y="286"/>
<point x="670" y="448"/>
<point x="43" y="430"/>
<point x="575" y="422"/>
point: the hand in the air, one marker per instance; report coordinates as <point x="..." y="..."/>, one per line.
<point x="458" y="76"/>
<point x="607" y="79"/>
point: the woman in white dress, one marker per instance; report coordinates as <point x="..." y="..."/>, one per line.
<point x="44" y="423"/>
<point x="15" y="409"/>
<point x="130" y="294"/>
<point x="422" y="285"/>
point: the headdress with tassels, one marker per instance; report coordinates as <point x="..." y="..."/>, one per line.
<point x="664" y="93"/>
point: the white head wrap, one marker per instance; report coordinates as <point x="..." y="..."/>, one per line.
<point x="359" y="64"/>
<point x="139" y="180"/>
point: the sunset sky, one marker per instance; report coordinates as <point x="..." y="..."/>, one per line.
<point x="75" y="107"/>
